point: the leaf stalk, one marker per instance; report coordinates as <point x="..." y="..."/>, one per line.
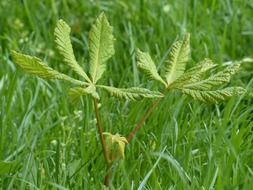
<point x="143" y="119"/>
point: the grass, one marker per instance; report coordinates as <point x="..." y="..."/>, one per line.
<point x="54" y="145"/>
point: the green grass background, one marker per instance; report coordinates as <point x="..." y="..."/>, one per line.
<point x="55" y="146"/>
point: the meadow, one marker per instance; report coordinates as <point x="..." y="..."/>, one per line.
<point x="48" y="143"/>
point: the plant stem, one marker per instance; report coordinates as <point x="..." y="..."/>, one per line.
<point x="143" y="119"/>
<point x="100" y="131"/>
<point x="108" y="175"/>
<point x="102" y="140"/>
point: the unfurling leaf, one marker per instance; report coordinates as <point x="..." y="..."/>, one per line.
<point x="133" y="93"/>
<point x="100" y="46"/>
<point x="77" y="92"/>
<point x="35" y="66"/>
<point x="62" y="39"/>
<point x="214" y="96"/>
<point x="115" y="145"/>
<point x="179" y="55"/>
<point x="145" y="62"/>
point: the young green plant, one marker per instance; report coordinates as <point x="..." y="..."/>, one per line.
<point x="101" y="48"/>
<point x="196" y="82"/>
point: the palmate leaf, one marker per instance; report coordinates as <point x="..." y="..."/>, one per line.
<point x="35" y="66"/>
<point x="213" y="96"/>
<point x="220" y="78"/>
<point x="62" y="39"/>
<point x="133" y="93"/>
<point x="179" y="55"/>
<point x="115" y="145"/>
<point x="76" y="92"/>
<point x="145" y="62"/>
<point x="100" y="46"/>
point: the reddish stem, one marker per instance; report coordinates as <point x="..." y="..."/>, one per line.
<point x="143" y="119"/>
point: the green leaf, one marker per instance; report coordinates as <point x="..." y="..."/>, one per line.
<point x="115" y="145"/>
<point x="35" y="66"/>
<point x="101" y="46"/>
<point x="179" y="55"/>
<point x="193" y="84"/>
<point x="77" y="92"/>
<point x="195" y="73"/>
<point x="220" y="78"/>
<point x="145" y="62"/>
<point x="6" y="167"/>
<point x="214" y="96"/>
<point x="62" y="39"/>
<point x="133" y="93"/>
